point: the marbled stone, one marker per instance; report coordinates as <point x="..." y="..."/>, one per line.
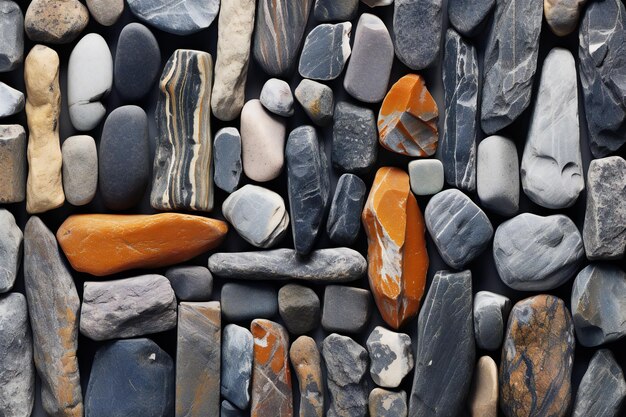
<point x="562" y="15"/>
<point x="276" y="97"/>
<point x="426" y="176"/>
<point x="330" y="10"/>
<point x="537" y="358"/>
<point x="468" y="17"/>
<point x="173" y="16"/>
<point x="326" y="50"/>
<point x="229" y="410"/>
<point x="391" y="357"/>
<point x="305" y="359"/>
<point x="317" y="100"/>
<point x="12" y="164"/>
<point x="510" y="62"/>
<point x="483" y="397"/>
<point x="497" y="175"/>
<point x="299" y="308"/>
<point x="237" y="354"/>
<point x="53" y="306"/>
<point x="491" y="312"/>
<point x="227" y="164"/>
<point x="417" y="31"/>
<point x="106" y="12"/>
<point x="344" y="222"/>
<point x="80" y="169"/>
<point x="346" y="309"/>
<point x="11" y="238"/>
<point x="190" y="283"/>
<point x="11" y="100"/>
<point x="55" y="21"/>
<point x="534" y="253"/>
<point x="237" y="306"/>
<point x="460" y="229"/>
<point x="383" y="403"/>
<point x="355" y="139"/>
<point x="12" y="35"/>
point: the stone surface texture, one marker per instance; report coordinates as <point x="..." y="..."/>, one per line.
<point x="237" y="355"/>
<point x="11" y="238"/>
<point x="497" y="175"/>
<point x="106" y="12"/>
<point x="11" y="100"/>
<point x="325" y="52"/>
<point x="173" y="16"/>
<point x="417" y="31"/>
<point x="330" y="10"/>
<point x="355" y="139"/>
<point x="80" y="169"/>
<point x="344" y="221"/>
<point x="13" y="163"/>
<point x="190" y="283"/>
<point x="468" y="17"/>
<point x="483" y="397"/>
<point x="562" y="15"/>
<point x="12" y="34"/>
<point x="346" y="309"/>
<point x="227" y="165"/>
<point x="55" y="21"/>
<point x="491" y="312"/>
<point x="317" y="100"/>
<point x="391" y="357"/>
<point x="299" y="308"/>
<point x="383" y="403"/>
<point x="276" y="97"/>
<point x="305" y="358"/>
<point x="237" y="305"/>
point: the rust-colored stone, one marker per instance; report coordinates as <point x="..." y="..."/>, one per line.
<point x="305" y="358"/>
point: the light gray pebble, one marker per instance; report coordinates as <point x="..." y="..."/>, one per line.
<point x="497" y="176"/>
<point x="317" y="100"/>
<point x="80" y="169"/>
<point x="276" y="97"/>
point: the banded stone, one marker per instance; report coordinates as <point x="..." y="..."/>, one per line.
<point x="417" y="31"/>
<point x="173" y="16"/>
<point x="325" y="52"/>
<point x="305" y="359"/>
<point x="237" y="355"/>
<point x="11" y="238"/>
<point x="55" y="21"/>
<point x="12" y="163"/>
<point x="12" y="34"/>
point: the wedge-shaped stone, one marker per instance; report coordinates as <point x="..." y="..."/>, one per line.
<point x="237" y="354"/>
<point x="417" y="31"/>
<point x="173" y="16"/>
<point x="305" y="358"/>
<point x="562" y="15"/>
<point x="468" y="17"/>
<point x="11" y="100"/>
<point x="12" y="163"/>
<point x="483" y="398"/>
<point x="10" y="250"/>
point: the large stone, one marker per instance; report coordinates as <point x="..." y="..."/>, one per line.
<point x="396" y="255"/>
<point x="299" y="308"/>
<point x="355" y="138"/>
<point x="344" y="222"/>
<point x="444" y="360"/>
<point x="317" y="100"/>
<point x="55" y="21"/>
<point x="12" y="164"/>
<point x="190" y="283"/>
<point x="104" y="244"/>
<point x="237" y="306"/>
<point x="10" y="250"/>
<point x="562" y="15"/>
<point x="497" y="175"/>
<point x="537" y="358"/>
<point x="53" y="306"/>
<point x="12" y="35"/>
<point x="80" y="169"/>
<point x="237" y="354"/>
<point x="510" y="62"/>
<point x="325" y="52"/>
<point x="483" y="397"/>
<point x="276" y="97"/>
<point x="227" y="165"/>
<point x="491" y="312"/>
<point x="346" y="309"/>
<point x="173" y="16"/>
<point x="468" y="17"/>
<point x="391" y="358"/>
<point x="305" y="359"/>
<point x="383" y="403"/>
<point x="330" y="10"/>
<point x="426" y="176"/>
<point x="106" y="12"/>
<point x="11" y="100"/>
<point x="417" y="28"/>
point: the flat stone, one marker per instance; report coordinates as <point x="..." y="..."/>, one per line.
<point x="537" y="358"/>
<point x="346" y="309"/>
<point x="497" y="175"/>
<point x="106" y="12"/>
<point x="367" y="75"/>
<point x="426" y="176"/>
<point x="391" y="357"/>
<point x="104" y="244"/>
<point x="483" y="397"/>
<point x="299" y="308"/>
<point x="11" y="100"/>
<point x="344" y="221"/>
<point x="510" y="62"/>
<point x="80" y="169"/>
<point x="331" y="10"/>
<point x="11" y="238"/>
<point x="12" y="164"/>
<point x="377" y="3"/>
<point x="534" y="253"/>
<point x="236" y="305"/>
<point x="562" y="15"/>
<point x="326" y="50"/>
<point x="417" y="28"/>
<point x="383" y="403"/>
<point x="237" y="354"/>
<point x="132" y="378"/>
<point x="604" y="230"/>
<point x="468" y="18"/>
<point x="355" y="139"/>
<point x="12" y="35"/>
<point x="173" y="16"/>
<point x="276" y="97"/>
<point x="48" y="285"/>
<point x="460" y="229"/>
<point x="305" y="359"/>
<point x="229" y="410"/>
<point x="317" y="100"/>
<point x="124" y="158"/>
<point x="191" y="283"/>
<point x="460" y="91"/>
<point x="491" y="312"/>
<point x="227" y="165"/>
<point x="55" y="21"/>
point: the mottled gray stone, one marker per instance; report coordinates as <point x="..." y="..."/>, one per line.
<point x="229" y="410"/>
<point x="491" y="312"/>
<point x="497" y="175"/>
<point x="242" y="302"/>
<point x="383" y="403"/>
<point x="237" y="355"/>
<point x="10" y="250"/>
<point x="355" y="139"/>
<point x="426" y="176"/>
<point x="346" y="309"/>
<point x="80" y="169"/>
<point x="227" y="165"/>
<point x="468" y="17"/>
<point x="12" y="163"/>
<point x="344" y="217"/>
<point x="190" y="283"/>
<point x="562" y="15"/>
<point x="325" y="52"/>
<point x="330" y="10"/>
<point x="317" y="100"/>
<point x="299" y="308"/>
<point x="276" y="97"/>
<point x="11" y="100"/>
<point x="106" y="12"/>
<point x="391" y="357"/>
<point x="173" y="16"/>
<point x="417" y="31"/>
<point x="12" y="35"/>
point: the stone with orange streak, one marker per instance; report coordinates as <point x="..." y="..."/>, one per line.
<point x="305" y="358"/>
<point x="397" y="256"/>
<point x="407" y="122"/>
<point x="104" y="244"/>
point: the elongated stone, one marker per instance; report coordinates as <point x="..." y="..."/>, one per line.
<point x="426" y="176"/>
<point x="299" y="308"/>
<point x="325" y="52"/>
<point x="317" y="100"/>
<point x="468" y="18"/>
<point x="103" y="244"/>
<point x="417" y="31"/>
<point x="305" y="359"/>
<point x="11" y="100"/>
<point x="237" y="354"/>
<point x="12" y="34"/>
<point x="510" y="62"/>
<point x="444" y="360"/>
<point x="53" y="306"/>
<point x="383" y="403"/>
<point x="562" y="15"/>
<point x="397" y="256"/>
<point x="483" y="397"/>
<point x="173" y="16"/>
<point x="491" y="312"/>
<point x="227" y="164"/>
<point x="329" y="10"/>
<point x="55" y="21"/>
<point x="391" y="358"/>
<point x="10" y="250"/>
<point x="236" y="305"/>
<point x="190" y="283"/>
<point x="497" y="175"/>
<point x="355" y="139"/>
<point x="106" y="12"/>
<point x="346" y="309"/>
<point x="276" y="97"/>
<point x="80" y="169"/>
<point x="537" y="358"/>
<point x="344" y="222"/>
<point x="12" y="163"/>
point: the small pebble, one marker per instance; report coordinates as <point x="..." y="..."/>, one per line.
<point x="325" y="52"/>
<point x="11" y="100"/>
<point x="483" y="397"/>
<point x="317" y="100"/>
<point x="80" y="169"/>
<point x="417" y="28"/>
<point x="426" y="176"/>
<point x="237" y="306"/>
<point x="276" y="97"/>
<point x="497" y="175"/>
<point x="346" y="309"/>
<point x="491" y="312"/>
<point x="355" y="139"/>
<point x="227" y="163"/>
<point x="106" y="12"/>
<point x="299" y="308"/>
<point x="190" y="283"/>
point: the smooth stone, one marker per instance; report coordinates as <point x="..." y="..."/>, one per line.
<point x="346" y="309"/>
<point x="128" y="307"/>
<point x="305" y="359"/>
<point x="468" y="18"/>
<point x="326" y="50"/>
<point x="11" y="100"/>
<point x="55" y="21"/>
<point x="106" y="12"/>
<point x="173" y="16"/>
<point x="391" y="357"/>
<point x="460" y="229"/>
<point x="227" y="165"/>
<point x="460" y="90"/>
<point x="562" y="15"/>
<point x="534" y="253"/>
<point x="137" y="62"/>
<point x="237" y="354"/>
<point x="426" y="176"/>
<point x="262" y="142"/>
<point x="229" y="410"/>
<point x="12" y="35"/>
<point x="124" y="158"/>
<point x="537" y="358"/>
<point x="483" y="397"/>
<point x="237" y="306"/>
<point x="131" y="378"/>
<point x="355" y="139"/>
<point x="510" y="62"/>
<point x="13" y="164"/>
<point x="80" y="169"/>
<point x="276" y="97"/>
<point x="11" y="239"/>
<point x="491" y="312"/>
<point x="344" y="220"/>
<point x="604" y="229"/>
<point x="369" y="69"/>
<point x="299" y="308"/>
<point x="383" y="403"/>
<point x="191" y="283"/>
<point x="331" y="10"/>
<point x="53" y="308"/>
<point x="417" y="31"/>
<point x="498" y="175"/>
<point x="317" y="100"/>
<point x="377" y="3"/>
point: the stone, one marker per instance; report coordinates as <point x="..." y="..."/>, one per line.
<point x="344" y="222"/>
<point x="317" y="100"/>
<point x="237" y="355"/>
<point x="190" y="283"/>
<point x="460" y="91"/>
<point x="305" y="359"/>
<point x="510" y="62"/>
<point x="105" y="244"/>
<point x="257" y="214"/>
<point x="276" y="97"/>
<point x="53" y="306"/>
<point x="276" y="50"/>
<point x="308" y="182"/>
<point x="17" y="370"/>
<point x="11" y="238"/>
<point x="271" y="376"/>
<point x="331" y="10"/>
<point x="417" y="26"/>
<point x="124" y="158"/>
<point x="346" y="309"/>
<point x="12" y="164"/>
<point x="237" y="306"/>
<point x="173" y="16"/>
<point x="383" y="403"/>
<point x="604" y="229"/>
<point x="12" y="35"/>
<point x="377" y="3"/>
<point x="355" y="139"/>
<point x="55" y="21"/>
<point x="198" y="356"/>
<point x="483" y="397"/>
<point x="326" y="50"/>
<point x="44" y="187"/>
<point x="468" y="18"/>
<point x="227" y="165"/>
<point x="369" y="69"/>
<point x="346" y="365"/>
<point x="80" y="169"/>
<point x="262" y="142"/>
<point x="602" y="390"/>
<point x="534" y="253"/>
<point x="498" y="175"/>
<point x="128" y="307"/>
<point x="537" y="357"/>
<point x="391" y="357"/>
<point x="11" y="100"/>
<point x="131" y="378"/>
<point x="182" y="172"/>
<point x="106" y="12"/>
<point x="491" y="312"/>
<point x="426" y="176"/>
<point x="137" y="62"/>
<point x="460" y="229"/>
<point x="407" y="122"/>
<point x="562" y="15"/>
<point x="299" y="308"/>
<point x="396" y="255"/>
<point x="229" y="410"/>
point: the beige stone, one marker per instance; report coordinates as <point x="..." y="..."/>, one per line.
<point x="106" y="12"/>
<point x="12" y="164"/>
<point x="483" y="399"/>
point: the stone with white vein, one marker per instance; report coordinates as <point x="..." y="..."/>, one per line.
<point x="175" y="16"/>
<point x="391" y="357"/>
<point x="325" y="52"/>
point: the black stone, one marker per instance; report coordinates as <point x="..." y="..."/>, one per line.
<point x="344" y="218"/>
<point x="468" y="16"/>
<point x="346" y="309"/>
<point x="299" y="308"/>
<point x="355" y="139"/>
<point x="243" y="302"/>
<point x="191" y="283"/>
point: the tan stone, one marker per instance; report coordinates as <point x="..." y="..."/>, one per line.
<point x="12" y="164"/>
<point x="55" y="21"/>
<point x="305" y="359"/>
<point x="563" y="15"/>
<point x="483" y="398"/>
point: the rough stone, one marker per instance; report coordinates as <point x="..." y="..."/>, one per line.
<point x="562" y="15"/>
<point x="55" y="21"/>
<point x="227" y="164"/>
<point x="229" y="410"/>
<point x="299" y="308"/>
<point x="106" y="12"/>
<point x="344" y="222"/>
<point x="276" y="97"/>
<point x="468" y="18"/>
<point x="80" y="169"/>
<point x="237" y="354"/>
<point x="426" y="176"/>
<point x="417" y="28"/>
<point x="173" y="16"/>
<point x="11" y="238"/>
<point x="383" y="403"/>
<point x="305" y="359"/>
<point x="317" y="100"/>
<point x="346" y="309"/>
<point x="12" y="35"/>
<point x="191" y="283"/>
<point x="355" y="139"/>
<point x="237" y="306"/>
<point x="498" y="175"/>
<point x="326" y="50"/>
<point x="391" y="357"/>
<point x="331" y="10"/>
<point x="483" y="397"/>
<point x="491" y="312"/>
<point x="11" y="100"/>
<point x="12" y="164"/>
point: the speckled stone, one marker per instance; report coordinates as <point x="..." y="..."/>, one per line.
<point x="12" y="35"/>
<point x="325" y="52"/>
<point x="173" y="16"/>
<point x="355" y="139"/>
<point x="237" y="306"/>
<point x="12" y="163"/>
<point x="383" y="403"/>
<point x="417" y="31"/>
<point x="331" y="10"/>
<point x="468" y="17"/>
<point x="80" y="169"/>
<point x="190" y="283"/>
<point x="227" y="164"/>
<point x="55" y="21"/>
<point x="237" y="352"/>
<point x="317" y="100"/>
<point x="344" y="219"/>
<point x="11" y="239"/>
<point x="491" y="312"/>
<point x="391" y="357"/>
<point x="299" y="308"/>
<point x="346" y="309"/>
<point x="276" y="97"/>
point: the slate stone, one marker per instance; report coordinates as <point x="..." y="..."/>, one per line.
<point x="344" y="219"/>
<point x="11" y="100"/>
<point x="229" y="410"/>
<point x="346" y="309"/>
<point x="391" y="357"/>
<point x="227" y="164"/>
<point x="491" y="312"/>
<point x="237" y="353"/>
<point x="12" y="163"/>
<point x="460" y="229"/>
<point x="299" y="308"/>
<point x="80" y="169"/>
<point x="383" y="403"/>
<point x="326" y="50"/>
<point x="562" y="15"/>
<point x="497" y="175"/>
<point x="276" y="97"/>
<point x="190" y="283"/>
<point x="468" y="17"/>
<point x="131" y="378"/>
<point x="55" y="21"/>
<point x="426" y="176"/>
<point x="305" y="359"/>
<point x="105" y="12"/>
<point x="355" y="139"/>
<point x="534" y="253"/>
<point x="331" y="10"/>
<point x="237" y="306"/>
<point x="417" y="31"/>
<point x="317" y="100"/>
<point x="10" y="250"/>
<point x="12" y="35"/>
<point x="173" y="16"/>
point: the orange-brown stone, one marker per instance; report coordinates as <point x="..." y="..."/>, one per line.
<point x="104" y="244"/>
<point x="397" y="257"/>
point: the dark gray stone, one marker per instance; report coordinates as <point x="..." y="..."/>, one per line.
<point x="383" y="403"/>
<point x="299" y="308"/>
<point x="417" y="29"/>
<point x="10" y="250"/>
<point x="227" y="159"/>
<point x="355" y="139"/>
<point x="191" y="283"/>
<point x="325" y="52"/>
<point x="317" y="100"/>
<point x="491" y="312"/>
<point x="12" y="35"/>
<point x="346" y="309"/>
<point x="468" y="17"/>
<point x="391" y="357"/>
<point x="173" y="16"/>
<point x="229" y="410"/>
<point x="344" y="218"/>
<point x="331" y="10"/>
<point x="243" y="302"/>
<point x="237" y="355"/>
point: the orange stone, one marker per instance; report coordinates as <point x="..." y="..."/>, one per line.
<point x="407" y="121"/>
<point x="104" y="244"/>
<point x="397" y="257"/>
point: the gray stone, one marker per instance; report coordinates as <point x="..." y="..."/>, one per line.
<point x="10" y="250"/>
<point x="317" y="100"/>
<point x="80" y="169"/>
<point x="491" y="312"/>
<point x="190" y="283"/>
<point x="243" y="302"/>
<point x="460" y="229"/>
<point x="299" y="308"/>
<point x="106" y="12"/>
<point x="12" y="35"/>
<point x="562" y="15"/>
<point x="237" y="354"/>
<point x="229" y="410"/>
<point x="11" y="100"/>
<point x="276" y="97"/>
<point x="497" y="175"/>
<point x="426" y="176"/>
<point x="173" y="16"/>
<point x="227" y="165"/>
<point x="391" y="357"/>
<point x="127" y="307"/>
<point x="534" y="253"/>
<point x="326" y="50"/>
<point x="344" y="218"/>
<point x="12" y="163"/>
<point x="468" y="17"/>
<point x="346" y="309"/>
<point x="331" y="10"/>
<point x="355" y="139"/>
<point x="383" y="403"/>
<point x="417" y="31"/>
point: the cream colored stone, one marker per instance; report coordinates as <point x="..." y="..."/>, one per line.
<point x="483" y="399"/>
